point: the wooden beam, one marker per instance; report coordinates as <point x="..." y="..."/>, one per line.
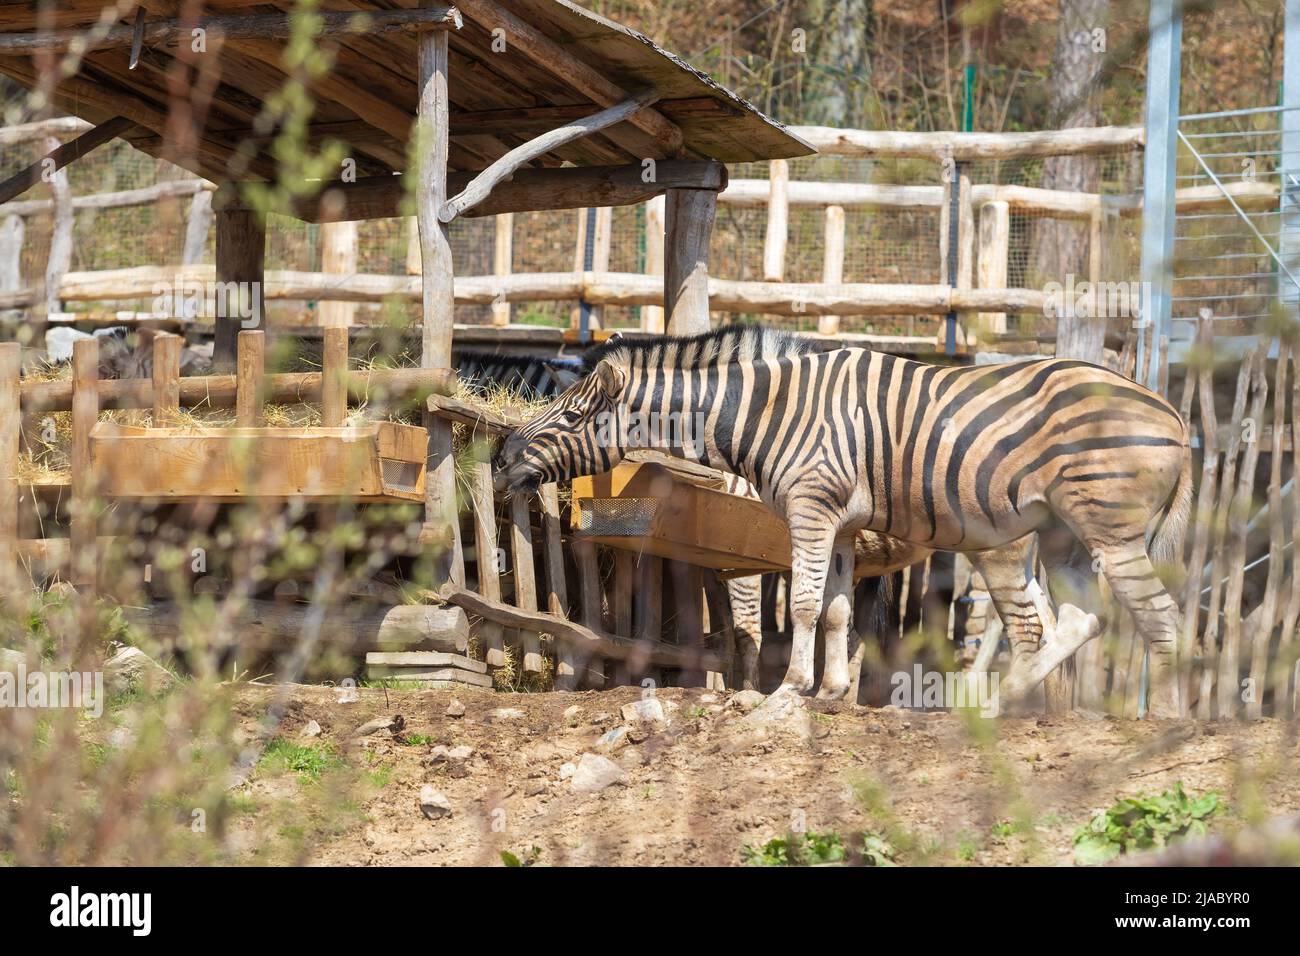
<point x="778" y="221"/>
<point x="166" y="378"/>
<point x="250" y="375"/>
<point x="220" y="391"/>
<point x="267" y="26"/>
<point x="971" y="146"/>
<point x="504" y="168"/>
<point x="652" y="316"/>
<point x="587" y="80"/>
<point x="25" y="179"/>
<point x="437" y="300"/>
<point x="85" y="413"/>
<point x="832" y="262"/>
<point x="334" y="370"/>
<point x="689" y="217"/>
<point x="586" y="639"/>
<point x="530" y="190"/>
<point x="241" y="273"/>
<point x="10" y="429"/>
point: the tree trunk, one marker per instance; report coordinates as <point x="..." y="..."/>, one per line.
<point x="1062" y="247"/>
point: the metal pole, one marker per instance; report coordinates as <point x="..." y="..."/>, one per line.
<point x="1164" y="64"/>
<point x="1289" y="233"/>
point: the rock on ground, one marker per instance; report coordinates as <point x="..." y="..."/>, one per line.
<point x="433" y="804"/>
<point x="594" y="773"/>
<point x="132" y="668"/>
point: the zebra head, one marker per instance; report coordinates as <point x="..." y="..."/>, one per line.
<point x="575" y="435"/>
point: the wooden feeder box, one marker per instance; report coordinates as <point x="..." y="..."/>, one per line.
<point x="679" y="511"/>
<point x="375" y="462"/>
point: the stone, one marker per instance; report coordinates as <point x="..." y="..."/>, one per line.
<point x="746" y="700"/>
<point x="455" y="708"/>
<point x="535" y="788"/>
<point x="567" y="770"/>
<point x="647" y="710"/>
<point x="131" y="668"/>
<point x="507" y="713"/>
<point x="311" y="730"/>
<point x="433" y="804"/>
<point x="612" y="740"/>
<point x="594" y="773"/>
<point x="572" y="711"/>
<point x="11" y="660"/>
<point x="374" y="726"/>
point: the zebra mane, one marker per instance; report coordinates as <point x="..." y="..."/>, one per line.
<point x="729" y="343"/>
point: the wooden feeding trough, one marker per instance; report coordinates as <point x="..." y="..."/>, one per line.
<point x="657" y="505"/>
<point x="375" y="462"/>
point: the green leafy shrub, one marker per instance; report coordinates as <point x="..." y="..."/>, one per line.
<point x="819" y="849"/>
<point x="1141" y="823"/>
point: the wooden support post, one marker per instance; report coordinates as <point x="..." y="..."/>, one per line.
<point x="649" y="598"/>
<point x="486" y="545"/>
<point x="59" y="260"/>
<point x="241" y="268"/>
<point x="503" y="262"/>
<point x="521" y="554"/>
<point x="85" y="413"/>
<point x="624" y="571"/>
<point x="832" y="263"/>
<point x="688" y="215"/>
<point x="601" y="244"/>
<point x="439" y="308"/>
<point x="12" y="232"/>
<point x="334" y="377"/>
<point x="995" y="246"/>
<point x="250" y="378"/>
<point x="778" y="221"/>
<point x="413" y="267"/>
<point x="652" y="316"/>
<point x="198" y="223"/>
<point x="11" y="360"/>
<point x="592" y="674"/>
<point x="688" y="591"/>
<point x="166" y="378"/>
<point x="338" y="258"/>
<point x="557" y="590"/>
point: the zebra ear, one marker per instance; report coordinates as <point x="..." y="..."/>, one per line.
<point x="612" y="377"/>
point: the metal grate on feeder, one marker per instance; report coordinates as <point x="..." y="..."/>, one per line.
<point x="619" y="517"/>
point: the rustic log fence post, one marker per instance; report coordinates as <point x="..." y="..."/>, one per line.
<point x="778" y="221"/>
<point x="250" y="376"/>
<point x="832" y="263"/>
<point x="10" y="428"/>
<point x="652" y="316"/>
<point x="166" y="378"/>
<point x="502" y="262"/>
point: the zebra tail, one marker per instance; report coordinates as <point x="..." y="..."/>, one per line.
<point x="1167" y="544"/>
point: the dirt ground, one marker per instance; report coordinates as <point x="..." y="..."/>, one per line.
<point x="941" y="788"/>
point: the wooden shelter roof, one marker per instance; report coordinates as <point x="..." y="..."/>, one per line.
<point x="560" y="62"/>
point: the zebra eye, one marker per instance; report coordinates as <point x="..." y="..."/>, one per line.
<point x="571" y="416"/>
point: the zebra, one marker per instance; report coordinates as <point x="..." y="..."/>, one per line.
<point x="968" y="459"/>
<point x="528" y="375"/>
<point x="875" y="556"/>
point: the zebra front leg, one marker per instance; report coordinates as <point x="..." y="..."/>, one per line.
<point x="745" y="595"/>
<point x="837" y="616"/>
<point x="812" y="539"/>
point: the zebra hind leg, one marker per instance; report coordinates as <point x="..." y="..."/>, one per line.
<point x="1133" y="579"/>
<point x="745" y="595"/>
<point x="1006" y="575"/>
<point x="837" y="617"/>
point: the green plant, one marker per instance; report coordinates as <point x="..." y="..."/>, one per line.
<point x="529" y="857"/>
<point x="819" y="849"/>
<point x="310" y="762"/>
<point x="1139" y="823"/>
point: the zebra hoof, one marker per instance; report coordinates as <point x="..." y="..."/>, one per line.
<point x="829" y="692"/>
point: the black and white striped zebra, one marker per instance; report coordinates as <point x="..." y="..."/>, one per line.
<point x="528" y="375"/>
<point x="974" y="460"/>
